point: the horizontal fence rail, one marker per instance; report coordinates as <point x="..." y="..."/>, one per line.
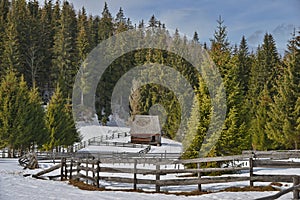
<point x="165" y="169"/>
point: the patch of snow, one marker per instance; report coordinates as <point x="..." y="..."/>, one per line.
<point x="14" y="186"/>
<point x="88" y="132"/>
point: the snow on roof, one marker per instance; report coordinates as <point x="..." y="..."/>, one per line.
<point x="145" y="124"/>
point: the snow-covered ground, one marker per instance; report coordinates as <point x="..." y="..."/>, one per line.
<point x="88" y="132"/>
<point x="94" y="131"/>
<point x="14" y="186"/>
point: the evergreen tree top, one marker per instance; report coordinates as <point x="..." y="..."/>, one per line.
<point x="105" y="12"/>
<point x="220" y="36"/>
<point x="196" y="37"/>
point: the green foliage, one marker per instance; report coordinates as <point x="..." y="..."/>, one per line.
<point x="283" y="124"/>
<point x="47" y="44"/>
<point x="21" y="114"/>
<point x="59" y="122"/>
<point x="65" y="59"/>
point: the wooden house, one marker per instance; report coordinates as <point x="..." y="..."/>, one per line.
<point x="145" y="129"/>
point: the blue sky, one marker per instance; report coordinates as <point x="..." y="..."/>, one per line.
<point x="252" y="18"/>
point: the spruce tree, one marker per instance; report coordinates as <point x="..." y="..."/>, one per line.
<point x="244" y="65"/>
<point x="64" y="49"/>
<point x="8" y="109"/>
<point x="198" y="123"/>
<point x="265" y="72"/>
<point x="106" y="25"/>
<point x="11" y="55"/>
<point x="34" y="55"/>
<point x="59" y="122"/>
<point x="47" y="30"/>
<point x="284" y="114"/>
<point x="4" y="9"/>
<point x="196" y="37"/>
<point x="21" y="115"/>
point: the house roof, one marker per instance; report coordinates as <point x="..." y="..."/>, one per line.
<point x="145" y="124"/>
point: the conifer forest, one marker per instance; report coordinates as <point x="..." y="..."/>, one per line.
<point x="43" y="46"/>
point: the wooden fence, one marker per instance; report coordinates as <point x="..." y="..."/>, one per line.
<point x="100" y="141"/>
<point x="92" y="171"/>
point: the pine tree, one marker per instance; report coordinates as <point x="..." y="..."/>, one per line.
<point x="198" y="123"/>
<point x="8" y="109"/>
<point x="12" y="54"/>
<point x="284" y="114"/>
<point x="196" y="37"/>
<point x="82" y="41"/>
<point x="48" y="25"/>
<point x="106" y="25"/>
<point x="35" y="124"/>
<point x="264" y="74"/>
<point x="120" y="22"/>
<point x="4" y="10"/>
<point x="20" y="115"/>
<point x="59" y="122"/>
<point x="260" y="139"/>
<point x="220" y="50"/>
<point x="267" y="67"/>
<point x="153" y="22"/>
<point x="244" y="64"/>
<point x="64" y="49"/>
<point x="34" y="54"/>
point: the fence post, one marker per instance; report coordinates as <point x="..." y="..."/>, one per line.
<point x="78" y="169"/>
<point x="199" y="176"/>
<point x="98" y="171"/>
<point x="134" y="174"/>
<point x="62" y="169"/>
<point x="87" y="171"/>
<point x="93" y="172"/>
<point x="157" y="178"/>
<point x="251" y="170"/>
<point x="296" y="191"/>
<point x="66" y="170"/>
<point x="71" y="169"/>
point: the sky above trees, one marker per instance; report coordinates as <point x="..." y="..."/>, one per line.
<point x="252" y="18"/>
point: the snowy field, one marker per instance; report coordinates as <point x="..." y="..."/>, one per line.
<point x="14" y="186"/>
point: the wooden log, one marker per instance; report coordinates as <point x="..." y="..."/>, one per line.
<point x="88" y="178"/>
<point x="296" y="182"/>
<point x="78" y="168"/>
<point x="195" y="181"/>
<point x="199" y="176"/>
<point x="93" y="171"/>
<point x="87" y="171"/>
<point x="272" y="178"/>
<point x="135" y="175"/>
<point x="71" y="169"/>
<point x="127" y="180"/>
<point x="284" y="154"/>
<point x="201" y="170"/>
<point x="157" y="178"/>
<point x="54" y="177"/>
<point x="275" y="164"/>
<point x="62" y="169"/>
<point x="251" y="171"/>
<point x="281" y="193"/>
<point x="66" y="170"/>
<point x="98" y="173"/>
<point x="55" y="167"/>
<point x="213" y="159"/>
<point x="84" y="168"/>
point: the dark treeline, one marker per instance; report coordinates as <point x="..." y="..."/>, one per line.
<point x="44" y="47"/>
